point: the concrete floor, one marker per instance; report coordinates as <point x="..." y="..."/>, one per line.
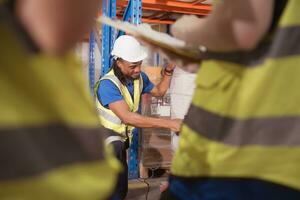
<point x="137" y="189"/>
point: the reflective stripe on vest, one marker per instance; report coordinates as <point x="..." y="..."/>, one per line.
<point x="245" y="115"/>
<point x="107" y="118"/>
<point x="114" y="138"/>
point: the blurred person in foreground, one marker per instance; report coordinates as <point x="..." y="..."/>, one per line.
<point x="51" y="143"/>
<point x="240" y="139"/>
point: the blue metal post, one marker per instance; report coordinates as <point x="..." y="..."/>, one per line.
<point x="126" y="15"/>
<point x="134" y="10"/>
<point x="92" y="61"/>
<point x="113" y="14"/>
<point x="108" y="36"/>
<point x="133" y="165"/>
<point x="136" y="13"/>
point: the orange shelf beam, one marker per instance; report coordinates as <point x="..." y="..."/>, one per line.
<point x="157" y="21"/>
<point x="171" y="6"/>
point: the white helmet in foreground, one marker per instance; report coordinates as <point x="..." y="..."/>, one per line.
<point x="129" y="49"/>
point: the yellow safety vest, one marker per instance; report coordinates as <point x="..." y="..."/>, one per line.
<point x="51" y="146"/>
<point x="108" y="118"/>
<point x="244" y="120"/>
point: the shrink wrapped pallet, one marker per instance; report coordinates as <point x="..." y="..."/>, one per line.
<point x="181" y="92"/>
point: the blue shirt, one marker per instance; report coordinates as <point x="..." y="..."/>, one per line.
<point x="229" y="188"/>
<point x="108" y="92"/>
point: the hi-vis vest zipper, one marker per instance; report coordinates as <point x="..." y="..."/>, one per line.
<point x="244" y="120"/>
<point x="107" y="118"/>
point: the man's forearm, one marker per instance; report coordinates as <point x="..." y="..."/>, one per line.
<point x="139" y="121"/>
<point x="161" y="89"/>
<point x="164" y="85"/>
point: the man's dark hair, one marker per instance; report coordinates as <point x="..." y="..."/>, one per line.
<point x="118" y="72"/>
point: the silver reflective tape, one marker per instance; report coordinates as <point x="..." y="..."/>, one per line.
<point x="113" y="78"/>
<point x="111" y="139"/>
<point x="109" y="117"/>
<point x="268" y="131"/>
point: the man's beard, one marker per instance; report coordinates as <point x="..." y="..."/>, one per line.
<point x="133" y="77"/>
<point x="136" y="77"/>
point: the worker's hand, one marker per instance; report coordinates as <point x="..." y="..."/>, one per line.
<point x="163" y="186"/>
<point x="175" y="125"/>
<point x="170" y="66"/>
<point x="182" y="62"/>
<point x="186" y="28"/>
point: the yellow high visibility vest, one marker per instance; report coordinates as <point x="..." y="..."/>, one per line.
<point x="244" y="120"/>
<point x="108" y="118"/>
<point x="51" y="143"/>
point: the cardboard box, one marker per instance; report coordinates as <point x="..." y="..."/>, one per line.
<point x="154" y="73"/>
<point x="156" y="137"/>
<point x="155" y="147"/>
<point x="157" y="157"/>
<point x="155" y="143"/>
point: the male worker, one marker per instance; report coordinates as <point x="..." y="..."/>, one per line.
<point x="240" y="139"/>
<point x="50" y="140"/>
<point x="119" y="94"/>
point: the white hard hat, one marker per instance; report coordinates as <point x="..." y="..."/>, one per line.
<point x="129" y="49"/>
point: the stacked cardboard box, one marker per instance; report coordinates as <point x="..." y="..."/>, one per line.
<point x="155" y="143"/>
<point x="156" y="147"/>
